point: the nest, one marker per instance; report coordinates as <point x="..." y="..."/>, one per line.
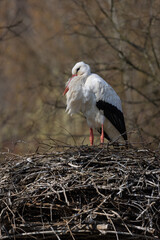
<point x="81" y="193"/>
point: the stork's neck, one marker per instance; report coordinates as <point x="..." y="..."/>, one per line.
<point x="75" y="94"/>
<point x="77" y="83"/>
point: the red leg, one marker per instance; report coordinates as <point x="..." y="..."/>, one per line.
<point x="91" y="138"/>
<point x="102" y="135"/>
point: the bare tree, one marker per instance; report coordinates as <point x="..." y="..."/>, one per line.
<point x="40" y="43"/>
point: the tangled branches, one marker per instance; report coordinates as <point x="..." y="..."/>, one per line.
<point x="81" y="192"/>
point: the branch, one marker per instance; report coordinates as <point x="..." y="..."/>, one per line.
<point x="121" y="54"/>
<point x="11" y="25"/>
<point x="122" y="38"/>
<point x="142" y="94"/>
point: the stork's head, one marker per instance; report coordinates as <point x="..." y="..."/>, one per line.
<point x="80" y="69"/>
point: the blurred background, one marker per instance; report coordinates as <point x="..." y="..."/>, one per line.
<point x="40" y="41"/>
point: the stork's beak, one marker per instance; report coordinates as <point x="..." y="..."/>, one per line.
<point x="66" y="90"/>
<point x="67" y="87"/>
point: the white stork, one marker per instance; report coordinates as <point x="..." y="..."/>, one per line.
<point x="88" y="93"/>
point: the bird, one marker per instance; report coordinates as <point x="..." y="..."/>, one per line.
<point x="90" y="94"/>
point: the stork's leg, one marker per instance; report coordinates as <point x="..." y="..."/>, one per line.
<point x="91" y="138"/>
<point x="102" y="135"/>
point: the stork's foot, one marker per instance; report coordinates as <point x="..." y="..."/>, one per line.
<point x="91" y="138"/>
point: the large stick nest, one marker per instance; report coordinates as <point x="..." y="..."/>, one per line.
<point x="81" y="193"/>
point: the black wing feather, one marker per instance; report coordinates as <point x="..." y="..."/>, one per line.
<point x="114" y="115"/>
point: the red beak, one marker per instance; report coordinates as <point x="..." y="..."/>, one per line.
<point x="67" y="88"/>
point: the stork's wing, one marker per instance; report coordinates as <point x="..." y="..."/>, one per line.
<point x="114" y="115"/>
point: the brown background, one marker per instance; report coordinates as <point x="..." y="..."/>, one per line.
<point x="40" y="41"/>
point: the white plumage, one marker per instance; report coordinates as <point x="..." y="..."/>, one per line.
<point x="88" y="93"/>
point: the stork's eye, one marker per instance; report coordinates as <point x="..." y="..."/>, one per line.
<point x="78" y="69"/>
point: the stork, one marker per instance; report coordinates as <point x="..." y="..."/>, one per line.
<point x="90" y="94"/>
